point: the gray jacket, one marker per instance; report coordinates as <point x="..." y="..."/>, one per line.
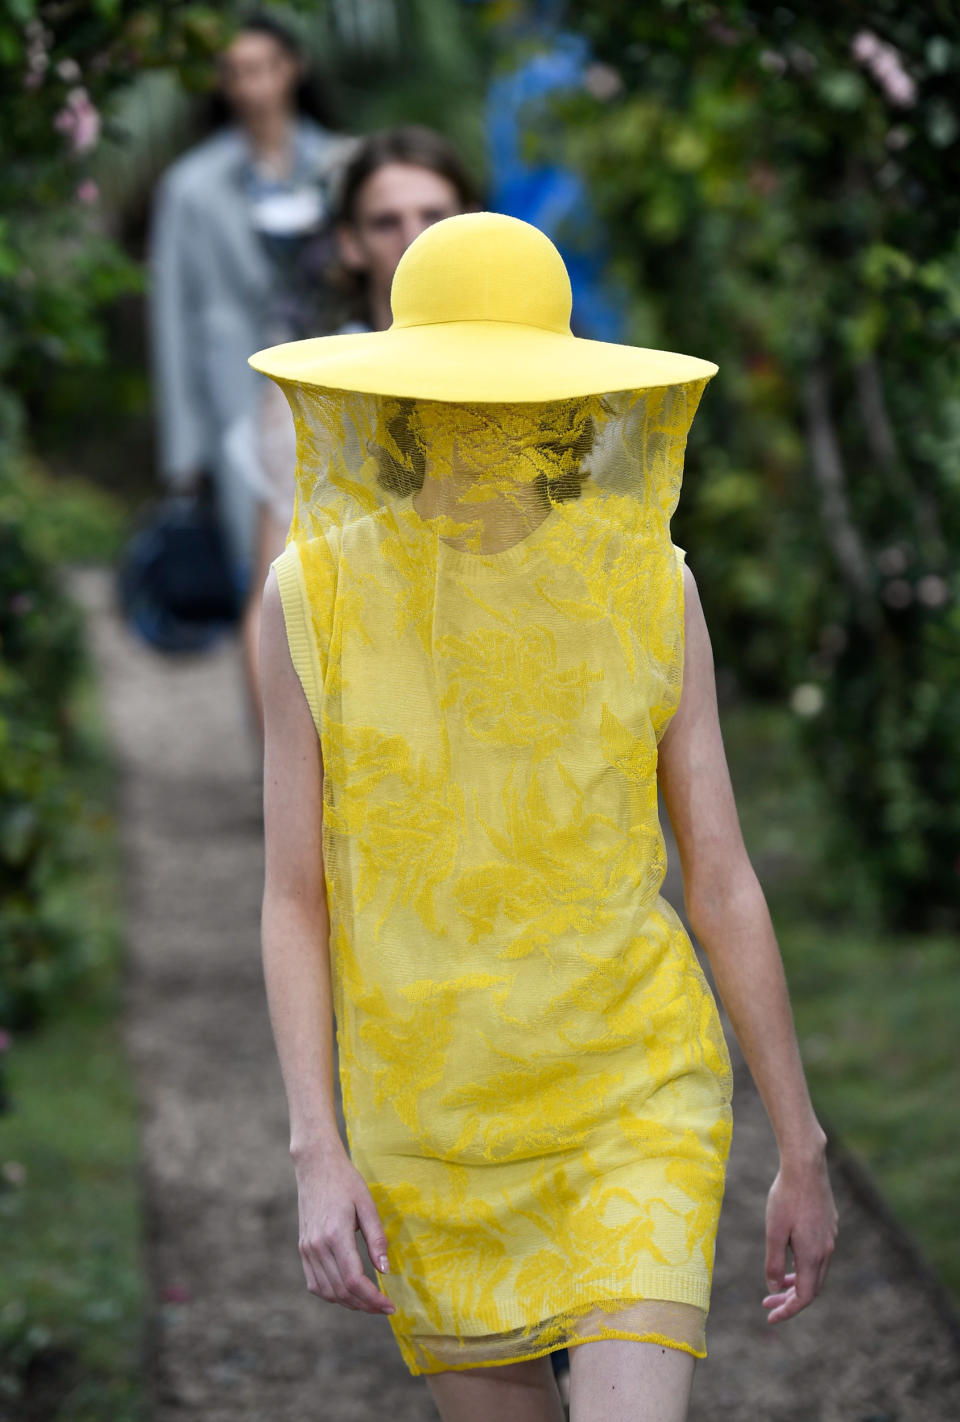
<point x="209" y="287"/>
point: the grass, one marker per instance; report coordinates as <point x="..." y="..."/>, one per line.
<point x="71" y="1281"/>
<point x="876" y="1013"/>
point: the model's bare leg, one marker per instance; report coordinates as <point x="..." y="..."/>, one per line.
<point x="508" y="1392"/>
<point x="617" y="1381"/>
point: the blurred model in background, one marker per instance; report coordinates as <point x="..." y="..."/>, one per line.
<point x="398" y="182"/>
<point x="240" y="242"/>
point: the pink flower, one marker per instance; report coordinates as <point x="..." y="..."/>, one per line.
<point x="88" y="192"/>
<point x="5" y="1040"/>
<point x="865" y="46"/>
<point x="886" y="66"/>
<point x="897" y="85"/>
<point x="79" y="120"/>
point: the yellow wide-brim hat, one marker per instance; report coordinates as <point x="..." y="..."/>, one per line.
<point x="481" y="312"/>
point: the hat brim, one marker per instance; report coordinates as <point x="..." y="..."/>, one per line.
<point x="496" y="361"/>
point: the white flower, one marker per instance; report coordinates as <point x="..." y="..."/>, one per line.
<point x="932" y="590"/>
<point x="807" y="699"/>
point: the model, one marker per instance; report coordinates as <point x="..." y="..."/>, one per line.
<point x="481" y="650"/>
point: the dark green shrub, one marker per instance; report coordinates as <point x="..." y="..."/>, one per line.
<point x="773" y="183"/>
<point x="40" y="660"/>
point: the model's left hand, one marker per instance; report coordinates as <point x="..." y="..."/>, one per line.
<point x="800" y="1212"/>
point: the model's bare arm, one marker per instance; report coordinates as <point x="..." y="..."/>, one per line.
<point x="729" y="915"/>
<point x="295" y="935"/>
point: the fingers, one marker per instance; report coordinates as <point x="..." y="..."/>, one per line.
<point x="822" y="1270"/>
<point x="776" y="1262"/>
<point x="374" y="1235"/>
<point x="347" y="1268"/>
<point x="801" y="1287"/>
<point x="805" y="1283"/>
<point x="776" y="1302"/>
<point x="313" y="1272"/>
<point x="778" y="1297"/>
<point x="334" y="1271"/>
<point x="318" y="1280"/>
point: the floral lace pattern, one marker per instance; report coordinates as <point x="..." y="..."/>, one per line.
<point x="485" y="610"/>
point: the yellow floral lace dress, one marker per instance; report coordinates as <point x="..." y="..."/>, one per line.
<point x="535" y="1080"/>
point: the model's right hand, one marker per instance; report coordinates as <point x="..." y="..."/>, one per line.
<point x="334" y="1204"/>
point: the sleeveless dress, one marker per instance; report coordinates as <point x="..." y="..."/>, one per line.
<point x="535" y="1080"/>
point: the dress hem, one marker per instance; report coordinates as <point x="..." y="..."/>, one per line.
<point x="608" y="1335"/>
<point x="652" y="1284"/>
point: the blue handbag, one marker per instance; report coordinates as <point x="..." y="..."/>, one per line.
<point x="175" y="582"/>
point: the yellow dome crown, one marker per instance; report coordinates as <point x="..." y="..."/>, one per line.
<point x="481" y="312"/>
<point x="482" y="266"/>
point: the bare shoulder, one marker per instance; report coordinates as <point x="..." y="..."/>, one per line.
<point x="692" y="606"/>
<point x="698" y="694"/>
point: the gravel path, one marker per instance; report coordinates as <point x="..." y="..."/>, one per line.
<point x="235" y="1336"/>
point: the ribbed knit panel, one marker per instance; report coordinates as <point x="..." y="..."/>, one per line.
<point x="295" y="615"/>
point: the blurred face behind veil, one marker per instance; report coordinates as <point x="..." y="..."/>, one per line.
<point x="492" y="472"/>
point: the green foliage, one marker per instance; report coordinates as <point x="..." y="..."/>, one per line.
<point x="416" y="61"/>
<point x="59" y="271"/>
<point x="68" y="520"/>
<point x="41" y="658"/>
<point x="45" y="948"/>
<point x="64" y="69"/>
<point x="59" y="66"/>
<point x="145" y="70"/>
<point x="773" y="181"/>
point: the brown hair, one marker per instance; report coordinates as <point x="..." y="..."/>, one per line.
<point x="411" y="143"/>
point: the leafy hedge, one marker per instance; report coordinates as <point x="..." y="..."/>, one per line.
<point x="63" y="69"/>
<point x="41" y="662"/>
<point x="774" y="183"/>
<point x="59" y="270"/>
